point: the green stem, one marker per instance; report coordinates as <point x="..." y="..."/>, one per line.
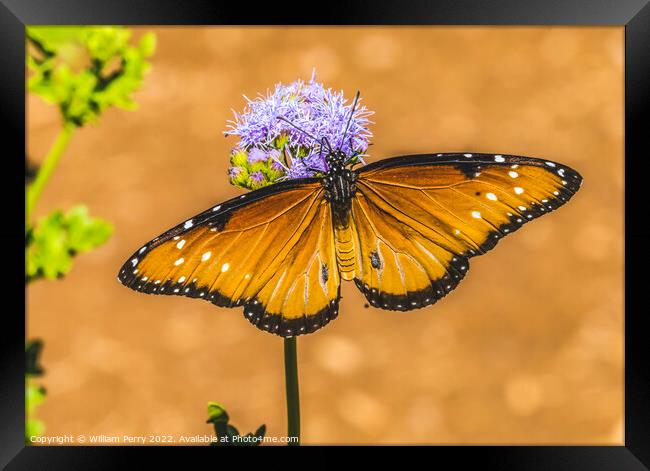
<point x="293" y="394"/>
<point x="47" y="167"/>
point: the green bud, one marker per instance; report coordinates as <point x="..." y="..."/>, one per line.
<point x="239" y="177"/>
<point x="239" y="158"/>
<point x="301" y="152"/>
<point x="257" y="167"/>
<point x="272" y="171"/>
<point x="256" y="182"/>
<point x="280" y="141"/>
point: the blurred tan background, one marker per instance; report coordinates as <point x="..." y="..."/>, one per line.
<point x="528" y="349"/>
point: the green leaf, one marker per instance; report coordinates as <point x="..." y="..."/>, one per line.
<point x="218" y="416"/>
<point x="147" y="44"/>
<point x="58" y="237"/>
<point x="33" y="349"/>
<point x="34" y="397"/>
<point x="87" y="69"/>
<point x="33" y="428"/>
<point x="261" y="431"/>
<point x="216" y="413"/>
<point x="85" y="233"/>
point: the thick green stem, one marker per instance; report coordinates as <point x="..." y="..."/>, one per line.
<point x="45" y="171"/>
<point x="293" y="394"/>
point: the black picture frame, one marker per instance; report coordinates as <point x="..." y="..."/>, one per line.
<point x="634" y="15"/>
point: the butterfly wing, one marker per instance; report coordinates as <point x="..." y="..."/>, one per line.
<point x="419" y="218"/>
<point x="270" y="251"/>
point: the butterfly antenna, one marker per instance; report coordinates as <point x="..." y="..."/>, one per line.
<point x="347" y="126"/>
<point x="321" y="146"/>
<point x="281" y="118"/>
<point x="329" y="146"/>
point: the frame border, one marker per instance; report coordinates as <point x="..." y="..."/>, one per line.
<point x="633" y="14"/>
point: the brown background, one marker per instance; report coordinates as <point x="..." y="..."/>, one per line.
<point x="528" y="349"/>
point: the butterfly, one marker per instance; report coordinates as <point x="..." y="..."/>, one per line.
<point x="403" y="229"/>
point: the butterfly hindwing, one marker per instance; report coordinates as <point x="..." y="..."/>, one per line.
<point x="423" y="216"/>
<point x="270" y="251"/>
<point x="397" y="266"/>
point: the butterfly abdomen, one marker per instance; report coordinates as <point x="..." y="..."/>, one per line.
<point x="344" y="239"/>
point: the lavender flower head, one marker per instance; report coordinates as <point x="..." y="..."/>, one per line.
<point x="272" y="149"/>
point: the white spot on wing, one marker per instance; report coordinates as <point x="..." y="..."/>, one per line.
<point x="550" y="164"/>
<point x="206" y="256"/>
<point x="179" y="261"/>
<point x="499" y="158"/>
<point x="225" y="267"/>
<point x="467" y="155"/>
<point x="476" y="214"/>
<point x="180" y="244"/>
<point x="519" y="190"/>
<point x="188" y="224"/>
<point x="216" y="208"/>
<point x="181" y="279"/>
<point x="491" y="196"/>
<point x="513" y="174"/>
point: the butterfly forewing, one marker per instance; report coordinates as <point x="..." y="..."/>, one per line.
<point x="260" y="251"/>
<point x="422" y="216"/>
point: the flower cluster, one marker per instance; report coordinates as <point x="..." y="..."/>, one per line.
<point x="286" y="133"/>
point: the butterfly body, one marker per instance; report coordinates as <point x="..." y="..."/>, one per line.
<point x="403" y="229"/>
<point x="339" y="185"/>
<point x="340" y="188"/>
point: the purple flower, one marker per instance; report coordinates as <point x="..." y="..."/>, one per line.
<point x="257" y="177"/>
<point x="321" y="114"/>
<point x="274" y="154"/>
<point x="235" y="171"/>
<point x="257" y="155"/>
<point x="299" y="170"/>
<point x="278" y="167"/>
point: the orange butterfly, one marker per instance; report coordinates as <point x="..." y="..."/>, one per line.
<point x="402" y="228"/>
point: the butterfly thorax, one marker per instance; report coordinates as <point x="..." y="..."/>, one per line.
<point x="339" y="184"/>
<point x="340" y="187"/>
